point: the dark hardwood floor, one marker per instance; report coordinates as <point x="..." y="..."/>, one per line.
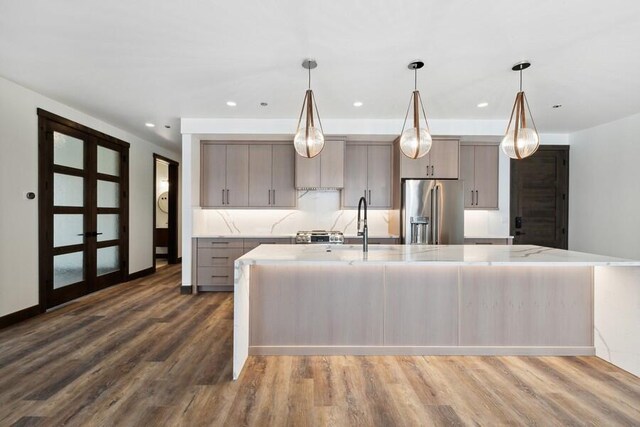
<point x="141" y="354"/>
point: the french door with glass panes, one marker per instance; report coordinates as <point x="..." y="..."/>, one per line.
<point x="83" y="210"/>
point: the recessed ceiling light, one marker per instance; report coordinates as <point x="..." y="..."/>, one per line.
<point x="167" y="126"/>
<point x="483" y="104"/>
<point x="149" y="125"/>
<point x="357" y="104"/>
<point x="557" y="106"/>
<point x="231" y="103"/>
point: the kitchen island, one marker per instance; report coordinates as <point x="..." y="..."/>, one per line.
<point x="435" y="300"/>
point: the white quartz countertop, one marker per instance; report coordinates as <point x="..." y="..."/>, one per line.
<point x="506" y="255"/>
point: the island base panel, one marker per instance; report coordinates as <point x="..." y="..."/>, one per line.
<point x="400" y="309"/>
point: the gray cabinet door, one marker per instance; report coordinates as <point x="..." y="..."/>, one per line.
<point x="237" y="175"/>
<point x="467" y="174"/>
<point x="379" y="176"/>
<point x="332" y="165"/>
<point x="444" y="158"/>
<point x="307" y="171"/>
<point x="260" y="170"/>
<point x="355" y="175"/>
<point x="486" y="176"/>
<point x="283" y="176"/>
<point x="213" y="173"/>
<point x="414" y="168"/>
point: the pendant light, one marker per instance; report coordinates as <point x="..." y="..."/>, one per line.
<point x="520" y="141"/>
<point x="415" y="142"/>
<point x="309" y="140"/>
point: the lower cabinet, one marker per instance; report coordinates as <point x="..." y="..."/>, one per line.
<point x="214" y="259"/>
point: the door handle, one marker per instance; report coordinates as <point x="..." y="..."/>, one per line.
<point x="520" y="233"/>
<point x="90" y="234"/>
<point x="518" y="222"/>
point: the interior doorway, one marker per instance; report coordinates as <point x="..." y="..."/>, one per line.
<point x="540" y="198"/>
<point x="165" y="211"/>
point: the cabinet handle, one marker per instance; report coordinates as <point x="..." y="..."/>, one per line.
<point x="274" y="196"/>
<point x="477" y="198"/>
<point x="214" y="276"/>
<point x="369" y="196"/>
<point x="432" y="173"/>
<point x="223" y="196"/>
<point x="427" y="170"/>
<point x="219" y="257"/>
<point x="472" y="200"/>
<point x="269" y="196"/>
<point x="219" y="243"/>
<point x="227" y="196"/>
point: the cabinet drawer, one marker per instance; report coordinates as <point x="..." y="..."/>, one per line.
<point x="215" y="276"/>
<point x="220" y="243"/>
<point x="209" y="257"/>
<point x="250" y="244"/>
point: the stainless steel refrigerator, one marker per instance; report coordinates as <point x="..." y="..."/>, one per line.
<point x="432" y="212"/>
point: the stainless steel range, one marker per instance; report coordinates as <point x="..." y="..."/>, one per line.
<point x="320" y="236"/>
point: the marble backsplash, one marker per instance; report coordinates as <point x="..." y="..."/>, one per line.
<point x="316" y="210"/>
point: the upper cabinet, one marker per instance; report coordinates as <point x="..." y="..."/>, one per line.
<point x="271" y="176"/>
<point x="368" y="174"/>
<point x="247" y="175"/>
<point x="440" y="163"/>
<point x="225" y="175"/>
<point x="326" y="170"/>
<point x="479" y="171"/>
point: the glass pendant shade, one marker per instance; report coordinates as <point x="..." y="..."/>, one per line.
<point x="308" y="144"/>
<point x="525" y="145"/>
<point x="520" y="141"/>
<point x="416" y="141"/>
<point x="309" y="139"/>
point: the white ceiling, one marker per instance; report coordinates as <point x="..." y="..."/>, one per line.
<point x="130" y="62"/>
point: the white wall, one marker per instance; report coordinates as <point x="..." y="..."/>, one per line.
<point x="19" y="174"/>
<point x="604" y="189"/>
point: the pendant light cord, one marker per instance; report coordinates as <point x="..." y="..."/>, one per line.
<point x="309" y="69"/>
<point x="415" y="79"/>
<point x="520" y="79"/>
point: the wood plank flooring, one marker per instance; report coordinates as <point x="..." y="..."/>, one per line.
<point x="141" y="354"/>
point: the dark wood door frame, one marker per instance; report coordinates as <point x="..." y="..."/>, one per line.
<point x="47" y="122"/>
<point x="172" y="248"/>
<point x="562" y="196"/>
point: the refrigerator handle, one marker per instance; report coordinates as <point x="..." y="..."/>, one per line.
<point x="432" y="218"/>
<point x="437" y="216"/>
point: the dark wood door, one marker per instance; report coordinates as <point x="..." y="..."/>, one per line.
<point x="540" y="198"/>
<point x="83" y="210"/>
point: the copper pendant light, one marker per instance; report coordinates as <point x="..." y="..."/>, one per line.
<point x="309" y="140"/>
<point x="416" y="141"/>
<point x="521" y="141"/>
